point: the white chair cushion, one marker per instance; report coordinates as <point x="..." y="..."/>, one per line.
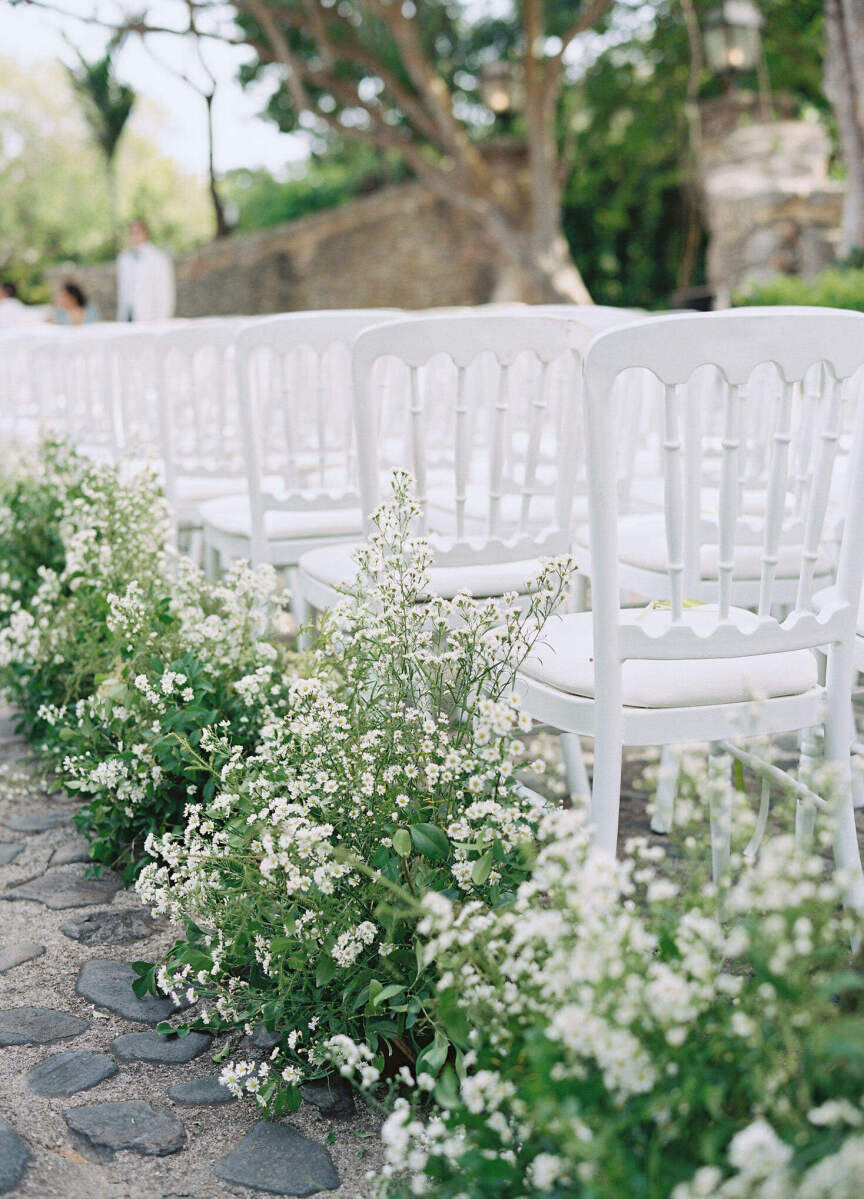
<point x="231" y="515"/>
<point x="642" y="543"/>
<point x="441" y="499"/>
<point x="335" y="567"/>
<point x="194" y="489"/>
<point x="564" y="659"/>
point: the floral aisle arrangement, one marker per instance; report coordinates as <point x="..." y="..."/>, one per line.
<point x="118" y="657"/>
<point x="33" y="491"/>
<point x="619" y="1038"/>
<point x="346" y="840"/>
<point x="392" y="775"/>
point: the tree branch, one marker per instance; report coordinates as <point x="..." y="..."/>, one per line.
<point x="587" y="17"/>
<point x="139" y="25"/>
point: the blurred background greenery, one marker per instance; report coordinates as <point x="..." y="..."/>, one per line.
<point x="630" y="210"/>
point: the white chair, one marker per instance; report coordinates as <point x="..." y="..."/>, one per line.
<point x="20" y="393"/>
<point x="293" y="379"/>
<point x="77" y="397"/>
<point x="472" y="414"/>
<point x="198" y="413"/>
<point x="680" y="673"/>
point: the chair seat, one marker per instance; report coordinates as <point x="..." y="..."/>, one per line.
<point x="231" y="515"/>
<point x="194" y="489"/>
<point x="334" y="566"/>
<point x="642" y="544"/>
<point x="564" y="659"/>
<point x="442" y="509"/>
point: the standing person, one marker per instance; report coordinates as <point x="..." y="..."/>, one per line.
<point x="145" y="279"/>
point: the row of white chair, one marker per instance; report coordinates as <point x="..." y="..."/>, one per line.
<point x="716" y="457"/>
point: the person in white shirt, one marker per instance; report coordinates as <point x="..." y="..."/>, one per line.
<point x="12" y="311"/>
<point x="145" y="279"/>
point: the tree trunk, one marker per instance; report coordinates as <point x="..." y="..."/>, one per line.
<point x="536" y="260"/>
<point x="844" y="85"/>
<point x="532" y="272"/>
<point x="555" y="276"/>
<point x="223" y="227"/>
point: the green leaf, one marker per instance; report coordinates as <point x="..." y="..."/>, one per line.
<point x="385" y="993"/>
<point x="482" y="868"/>
<point x="433" y="1057"/>
<point x="431" y="841"/>
<point x="402" y="842"/>
<point x="326" y="970"/>
<point x="447" y="1089"/>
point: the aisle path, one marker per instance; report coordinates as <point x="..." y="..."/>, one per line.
<point x="86" y="1111"/>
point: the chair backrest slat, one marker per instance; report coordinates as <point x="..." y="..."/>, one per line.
<point x="492" y="432"/>
<point x="672" y="445"/>
<point x="777" y="493"/>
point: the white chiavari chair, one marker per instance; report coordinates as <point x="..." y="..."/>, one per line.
<point x="675" y="673"/>
<point x="293" y="378"/>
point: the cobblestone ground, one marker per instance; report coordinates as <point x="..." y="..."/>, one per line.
<point x="88" y="1113"/>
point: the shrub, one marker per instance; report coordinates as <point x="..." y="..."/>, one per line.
<point x="195" y="661"/>
<point x="109" y="531"/>
<point x="390" y="775"/>
<point x="834" y="288"/>
<point x="119" y="657"/>
<point x="32" y="493"/>
<point x="619" y="1038"/>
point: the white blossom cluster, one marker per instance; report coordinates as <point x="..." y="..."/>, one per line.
<point x="603" y="961"/>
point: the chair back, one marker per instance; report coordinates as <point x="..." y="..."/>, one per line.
<point x="293" y="375"/>
<point x="77" y="397"/>
<point x="199" y="417"/>
<point x="20" y="393"/>
<point x="790" y="428"/>
<point x="478" y="409"/>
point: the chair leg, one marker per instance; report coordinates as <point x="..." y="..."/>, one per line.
<point x="300" y="608"/>
<point x="578" y="785"/>
<point x="606" y="793"/>
<point x="196" y="547"/>
<point x="212" y="561"/>
<point x="857" y="782"/>
<point x="667" y="786"/>
<point x="577" y="600"/>
<point x="720" y="809"/>
<point x="839" y="732"/>
<point x="809" y="761"/>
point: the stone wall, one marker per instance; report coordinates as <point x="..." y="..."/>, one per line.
<point x="769" y="204"/>
<point x="400" y="247"/>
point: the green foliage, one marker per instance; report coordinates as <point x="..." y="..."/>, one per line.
<point x="834" y="288"/>
<point x="389" y="777"/>
<point x="55" y="199"/>
<point x="260" y="200"/>
<point x="116" y="662"/>
<point x="633" y="226"/>
<point x="31" y="503"/>
<point x="618" y="1038"/>
<point x="106" y="102"/>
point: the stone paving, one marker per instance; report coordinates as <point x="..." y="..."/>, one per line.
<point x="94" y="1103"/>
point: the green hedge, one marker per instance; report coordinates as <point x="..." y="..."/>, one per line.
<point x="834" y="288"/>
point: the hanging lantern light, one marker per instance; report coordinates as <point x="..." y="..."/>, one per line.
<point x="733" y="37"/>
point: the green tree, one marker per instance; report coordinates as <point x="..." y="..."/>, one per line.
<point x="631" y="203"/>
<point x="54" y="199"/>
<point x="107" y="104"/>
